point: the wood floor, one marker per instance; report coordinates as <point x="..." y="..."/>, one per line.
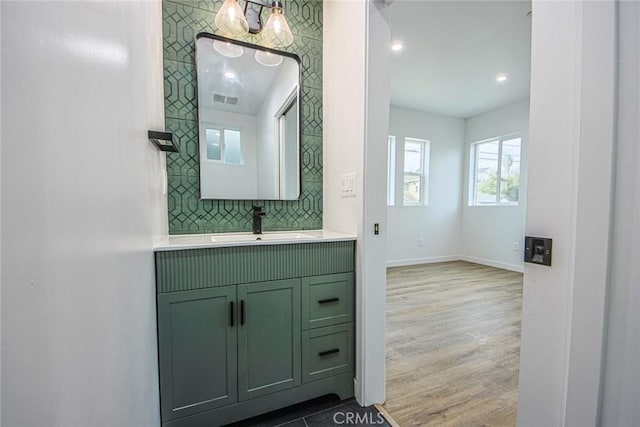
<point x="453" y="345"/>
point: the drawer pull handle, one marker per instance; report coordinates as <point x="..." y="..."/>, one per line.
<point x="328" y="352"/>
<point x="326" y="301"/>
<point x="232" y="314"/>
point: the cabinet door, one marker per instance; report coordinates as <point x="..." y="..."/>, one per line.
<point x="197" y="342"/>
<point x="269" y="337"/>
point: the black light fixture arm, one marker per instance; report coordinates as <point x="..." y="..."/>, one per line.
<point x="254" y="15"/>
<point x="263" y="3"/>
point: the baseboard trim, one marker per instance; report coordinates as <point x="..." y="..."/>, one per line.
<point x="490" y="263"/>
<point x="416" y="261"/>
<point x="475" y="260"/>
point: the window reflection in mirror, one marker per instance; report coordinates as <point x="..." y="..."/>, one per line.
<point x="249" y="121"/>
<point x="213" y="144"/>
<point x="223" y="145"/>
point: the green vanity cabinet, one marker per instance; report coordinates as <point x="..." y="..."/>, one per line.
<point x="246" y="330"/>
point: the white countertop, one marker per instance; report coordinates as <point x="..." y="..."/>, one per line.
<point x="218" y="240"/>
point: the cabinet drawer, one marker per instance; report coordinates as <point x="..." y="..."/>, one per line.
<point x="327" y="352"/>
<point x="327" y="300"/>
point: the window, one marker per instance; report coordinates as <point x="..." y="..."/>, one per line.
<point x="495" y="172"/>
<point x="416" y="172"/>
<point x="224" y="145"/>
<point x="391" y="171"/>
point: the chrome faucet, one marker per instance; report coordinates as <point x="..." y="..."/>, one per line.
<point x="258" y="213"/>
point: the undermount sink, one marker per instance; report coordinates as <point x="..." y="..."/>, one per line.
<point x="261" y="237"/>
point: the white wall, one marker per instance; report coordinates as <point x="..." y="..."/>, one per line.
<point x="343" y="117"/>
<point x="439" y="222"/>
<point x="570" y="157"/>
<point x="219" y="180"/>
<point x="355" y="129"/>
<point x="0" y="225"/>
<point x="621" y="386"/>
<point x="81" y="206"/>
<point x="452" y="229"/>
<point x="489" y="232"/>
<point x="344" y="29"/>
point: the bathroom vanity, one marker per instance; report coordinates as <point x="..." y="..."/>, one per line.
<point x="246" y="326"/>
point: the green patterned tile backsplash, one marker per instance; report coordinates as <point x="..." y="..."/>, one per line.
<point x="182" y="20"/>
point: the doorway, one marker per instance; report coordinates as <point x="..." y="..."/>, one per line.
<point x="460" y="86"/>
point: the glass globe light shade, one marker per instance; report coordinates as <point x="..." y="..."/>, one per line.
<point x="276" y="33"/>
<point x="230" y="19"/>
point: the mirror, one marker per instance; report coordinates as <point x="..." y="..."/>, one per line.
<point x="248" y="120"/>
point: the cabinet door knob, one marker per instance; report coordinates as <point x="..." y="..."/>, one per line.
<point x="242" y="312"/>
<point x="328" y="300"/>
<point x="328" y="352"/>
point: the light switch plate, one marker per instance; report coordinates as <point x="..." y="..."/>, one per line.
<point x="348" y="184"/>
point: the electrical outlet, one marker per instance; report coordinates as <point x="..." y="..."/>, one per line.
<point x="420" y="241"/>
<point x="515" y="247"/>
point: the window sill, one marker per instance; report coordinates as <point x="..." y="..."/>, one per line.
<point x="495" y="205"/>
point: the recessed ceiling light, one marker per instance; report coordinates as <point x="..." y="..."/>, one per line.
<point x="501" y="78"/>
<point x="230" y="75"/>
<point x="397" y="46"/>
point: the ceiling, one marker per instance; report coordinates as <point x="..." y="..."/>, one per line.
<point x="250" y="84"/>
<point x="453" y="51"/>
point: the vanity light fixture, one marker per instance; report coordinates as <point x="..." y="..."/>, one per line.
<point x="501" y="78"/>
<point x="232" y="21"/>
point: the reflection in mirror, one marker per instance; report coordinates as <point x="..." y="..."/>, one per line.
<point x="248" y="120"/>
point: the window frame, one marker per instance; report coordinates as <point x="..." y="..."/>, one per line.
<point x="424" y="176"/>
<point x="222" y="129"/>
<point x="473" y="170"/>
<point x="391" y="170"/>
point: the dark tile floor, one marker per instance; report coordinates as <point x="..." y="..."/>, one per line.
<point x="320" y="412"/>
